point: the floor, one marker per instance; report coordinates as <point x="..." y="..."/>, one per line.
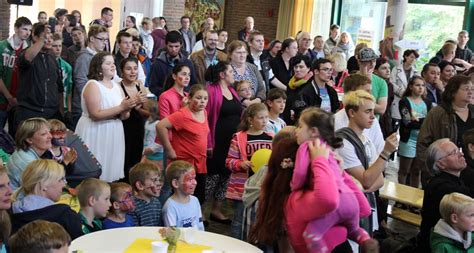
<point x="404" y="230"/>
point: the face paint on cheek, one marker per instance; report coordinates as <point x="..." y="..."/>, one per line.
<point x="188" y="184"/>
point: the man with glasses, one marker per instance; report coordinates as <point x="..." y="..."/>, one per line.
<point x="446" y="161"/>
<point x="97" y="38"/>
<point x="166" y="61"/>
<point x="304" y="43"/>
<point x="106" y="16"/>
<point x="208" y="56"/>
<point x="318" y="93"/>
<point x="366" y="61"/>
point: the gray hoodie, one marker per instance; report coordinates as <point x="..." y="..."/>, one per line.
<point x="81" y="69"/>
<point x="444" y="229"/>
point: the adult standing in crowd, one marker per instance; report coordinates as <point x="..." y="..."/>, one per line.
<point x="243" y="70"/>
<point x="97" y="38"/>
<point x="134" y="126"/>
<point x="301" y="66"/>
<point x="273" y="48"/>
<point x="318" y="44"/>
<point x="40" y="93"/>
<point x="189" y="38"/>
<point x="256" y="56"/>
<point x="281" y="63"/>
<point x="145" y="35"/>
<point x="345" y="45"/>
<point x="448" y="52"/>
<point x="352" y="64"/>
<point x="11" y="49"/>
<point x="224" y="111"/>
<point x="304" y="44"/>
<point x="463" y="53"/>
<point x="450" y="119"/>
<point x="399" y="78"/>
<point x="382" y="70"/>
<point x="202" y="59"/>
<point x="79" y="40"/>
<point x="434" y="86"/>
<point x="106" y="16"/>
<point x="208" y="24"/>
<point x="104" y="105"/>
<point x="78" y="16"/>
<point x="222" y="40"/>
<point x="331" y="42"/>
<point x="158" y="34"/>
<point x="166" y="61"/>
<point x="243" y="35"/>
<point x="33" y="140"/>
<point x="447" y="71"/>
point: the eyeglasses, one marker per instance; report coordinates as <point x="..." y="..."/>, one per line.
<point x="457" y="152"/>
<point x="326" y="69"/>
<point x="63" y="179"/>
<point x="101" y="39"/>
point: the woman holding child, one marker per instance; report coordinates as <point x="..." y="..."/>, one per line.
<point x="42" y="184"/>
<point x="104" y="105"/>
<point x="223" y="111"/>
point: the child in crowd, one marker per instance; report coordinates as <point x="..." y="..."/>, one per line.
<point x="339" y="197"/>
<point x="121" y="203"/>
<point x="244" y="90"/>
<point x="249" y="138"/>
<point x="66" y="73"/>
<point x="174" y="97"/>
<point x="94" y="198"/>
<point x="40" y="236"/>
<point x="182" y="209"/>
<point x="453" y="233"/>
<point x="145" y="181"/>
<point x="152" y="151"/>
<point x="190" y="130"/>
<point x="413" y="110"/>
<point x="276" y="101"/>
<point x="61" y="153"/>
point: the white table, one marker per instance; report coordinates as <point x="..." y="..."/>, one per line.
<point x="117" y="240"/>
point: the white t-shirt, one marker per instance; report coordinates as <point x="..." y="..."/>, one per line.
<point x="349" y="156"/>
<point x="274" y="126"/>
<point x="183" y="215"/>
<point x="374" y="133"/>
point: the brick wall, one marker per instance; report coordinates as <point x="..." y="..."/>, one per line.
<point x="173" y="10"/>
<point x="4" y="19"/>
<point x="237" y="10"/>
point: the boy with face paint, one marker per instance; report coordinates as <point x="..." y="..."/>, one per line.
<point x="182" y="209"/>
<point x="122" y="203"/>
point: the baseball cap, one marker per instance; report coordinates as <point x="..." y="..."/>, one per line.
<point x="367" y="54"/>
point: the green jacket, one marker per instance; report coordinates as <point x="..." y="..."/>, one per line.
<point x="442" y="240"/>
<point x="7" y="63"/>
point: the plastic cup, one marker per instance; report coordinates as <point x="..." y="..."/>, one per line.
<point x="159" y="247"/>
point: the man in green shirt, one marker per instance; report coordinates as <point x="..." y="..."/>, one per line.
<point x="9" y="78"/>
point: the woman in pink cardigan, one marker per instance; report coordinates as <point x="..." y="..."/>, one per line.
<point x="223" y="111"/>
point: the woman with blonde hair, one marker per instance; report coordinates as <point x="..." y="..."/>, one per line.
<point x="33" y="141"/>
<point x="42" y="184"/>
<point x="5" y="204"/>
<point x="339" y="64"/>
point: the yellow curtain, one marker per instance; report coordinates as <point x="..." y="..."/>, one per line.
<point x="294" y="16"/>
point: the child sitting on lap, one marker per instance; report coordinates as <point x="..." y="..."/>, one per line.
<point x="94" y="198"/>
<point x="182" y="209"/>
<point x="122" y="203"/>
<point x="145" y="181"/>
<point x="453" y="233"/>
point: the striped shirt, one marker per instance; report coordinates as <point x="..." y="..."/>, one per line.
<point x="147" y="213"/>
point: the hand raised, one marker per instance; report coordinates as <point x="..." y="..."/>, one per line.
<point x="318" y="149"/>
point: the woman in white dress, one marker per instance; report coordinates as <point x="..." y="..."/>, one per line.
<point x="104" y="105"/>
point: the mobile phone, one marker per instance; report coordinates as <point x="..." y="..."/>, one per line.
<point x="396" y="125"/>
<point x="52" y="23"/>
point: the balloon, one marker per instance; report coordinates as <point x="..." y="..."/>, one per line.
<point x="260" y="158"/>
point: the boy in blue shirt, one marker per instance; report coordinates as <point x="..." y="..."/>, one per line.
<point x="182" y="209"/>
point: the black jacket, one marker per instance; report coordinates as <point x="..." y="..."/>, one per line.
<point x="435" y="190"/>
<point x="308" y="97"/>
<point x="40" y="83"/>
<point x="407" y="124"/>
<point x="60" y="213"/>
<point x="265" y="69"/>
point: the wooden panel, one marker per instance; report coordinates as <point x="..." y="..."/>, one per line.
<point x="404" y="215"/>
<point x="402" y="193"/>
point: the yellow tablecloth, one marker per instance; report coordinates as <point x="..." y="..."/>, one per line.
<point x="143" y="245"/>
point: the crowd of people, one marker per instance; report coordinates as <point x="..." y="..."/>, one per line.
<point x="150" y="129"/>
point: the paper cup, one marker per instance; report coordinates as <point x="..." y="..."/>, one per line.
<point x="188" y="235"/>
<point x="159" y="247"/>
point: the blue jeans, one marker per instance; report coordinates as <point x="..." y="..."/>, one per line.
<point x="236" y="226"/>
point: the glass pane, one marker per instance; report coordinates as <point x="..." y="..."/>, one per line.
<point x="432" y="24"/>
<point x="364" y="18"/>
<point x="321" y="18"/>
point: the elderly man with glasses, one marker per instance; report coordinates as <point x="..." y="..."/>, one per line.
<point x="446" y="161"/>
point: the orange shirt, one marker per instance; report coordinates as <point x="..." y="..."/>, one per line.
<point x="190" y="138"/>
